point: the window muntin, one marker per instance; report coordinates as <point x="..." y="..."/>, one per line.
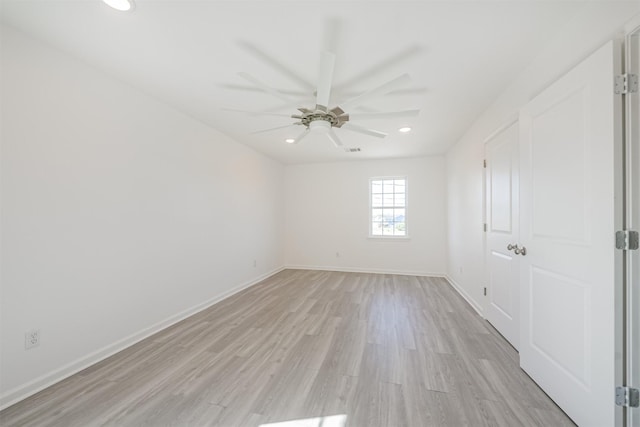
<point x="388" y="207"/>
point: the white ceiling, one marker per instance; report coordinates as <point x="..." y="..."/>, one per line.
<point x="460" y="55"/>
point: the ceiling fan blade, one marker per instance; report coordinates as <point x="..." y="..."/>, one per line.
<point x="382" y="65"/>
<point x="277" y="65"/>
<point x="408" y="91"/>
<point x="384" y="115"/>
<point x="276" y="128"/>
<point x="334" y="138"/>
<point x="332" y="34"/>
<point x="302" y="135"/>
<point x="256" y="113"/>
<point x="360" y="129"/>
<point x="325" y="78"/>
<point x="264" y="87"/>
<point x="389" y="86"/>
<point x="252" y="88"/>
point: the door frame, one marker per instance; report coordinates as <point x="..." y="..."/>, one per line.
<point x="628" y="368"/>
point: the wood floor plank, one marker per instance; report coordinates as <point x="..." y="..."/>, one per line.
<point x="383" y="350"/>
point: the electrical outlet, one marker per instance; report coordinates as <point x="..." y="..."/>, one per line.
<point x="31" y="339"/>
<point x="337" y="254"/>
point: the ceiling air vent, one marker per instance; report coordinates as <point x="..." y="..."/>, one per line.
<point x="352" y="150"/>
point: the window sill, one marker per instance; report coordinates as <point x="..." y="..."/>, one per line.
<point x="393" y="238"/>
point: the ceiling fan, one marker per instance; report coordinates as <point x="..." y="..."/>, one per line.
<point x="321" y="118"/>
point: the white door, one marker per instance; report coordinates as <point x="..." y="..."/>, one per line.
<point x="569" y="155"/>
<point x="503" y="265"/>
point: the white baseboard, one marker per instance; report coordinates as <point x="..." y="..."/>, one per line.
<point x="364" y="270"/>
<point x="477" y="307"/>
<point x="22" y="392"/>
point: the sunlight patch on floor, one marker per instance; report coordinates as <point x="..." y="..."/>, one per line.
<point x="330" y="421"/>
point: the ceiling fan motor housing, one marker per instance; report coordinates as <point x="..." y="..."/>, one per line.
<point x="335" y="118"/>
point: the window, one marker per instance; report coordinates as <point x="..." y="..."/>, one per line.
<point x="388" y="204"/>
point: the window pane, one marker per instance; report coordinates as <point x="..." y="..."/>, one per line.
<point x="388" y="207"/>
<point x="376" y="228"/>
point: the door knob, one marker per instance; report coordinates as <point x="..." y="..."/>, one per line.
<point x="520" y="251"/>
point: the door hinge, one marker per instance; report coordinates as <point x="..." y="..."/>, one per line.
<point x="484" y="163"/>
<point x="485" y="292"/>
<point x="628" y="397"/>
<point x="626" y="83"/>
<point x="627" y="240"/>
<point x="484" y="227"/>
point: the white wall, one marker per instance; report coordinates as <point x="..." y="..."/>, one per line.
<point x="120" y="215"/>
<point x="602" y="21"/>
<point x="327" y="212"/>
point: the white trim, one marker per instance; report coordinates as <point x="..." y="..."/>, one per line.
<point x="23" y="391"/>
<point x="364" y="270"/>
<point x="406" y="206"/>
<point x="477" y="307"/>
<point x="512" y="120"/>
<point x="628" y="367"/>
<point x="632" y="25"/>
<point x="389" y="238"/>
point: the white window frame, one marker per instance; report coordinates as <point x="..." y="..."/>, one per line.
<point x="371" y="207"/>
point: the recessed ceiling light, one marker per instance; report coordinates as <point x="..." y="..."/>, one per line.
<point x="404" y="130"/>
<point x="290" y="140"/>
<point x="121" y="5"/>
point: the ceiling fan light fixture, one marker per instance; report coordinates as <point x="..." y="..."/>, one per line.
<point x="121" y="5"/>
<point x="289" y="140"/>
<point x="320" y="125"/>
<point x="404" y="130"/>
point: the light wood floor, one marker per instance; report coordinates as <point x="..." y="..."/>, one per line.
<point x="383" y="350"/>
